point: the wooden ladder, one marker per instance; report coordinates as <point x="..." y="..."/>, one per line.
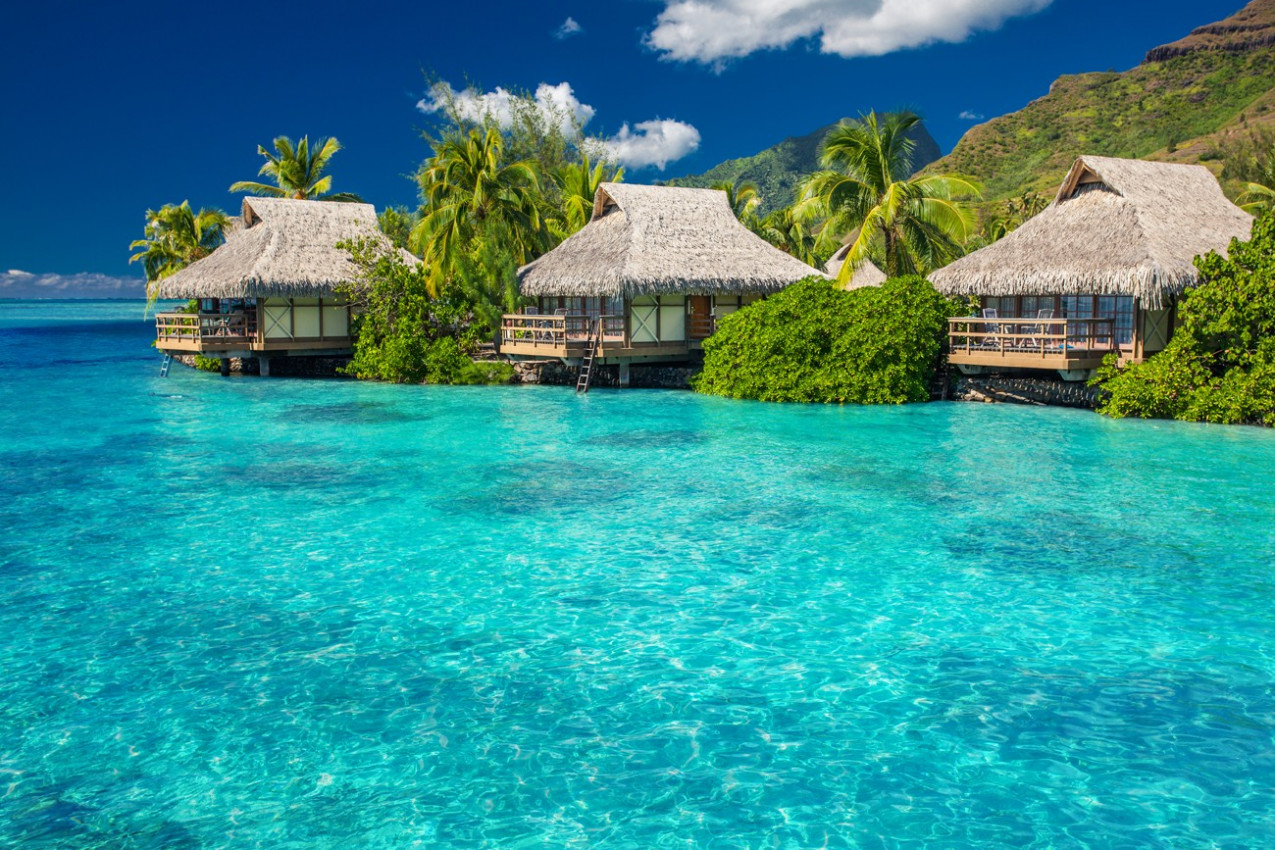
<point x="586" y="365"/>
<point x="164" y="364"/>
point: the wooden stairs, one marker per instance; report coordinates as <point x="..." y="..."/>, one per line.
<point x="586" y="365"/>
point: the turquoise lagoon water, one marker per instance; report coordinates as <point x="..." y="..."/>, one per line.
<point x="287" y="614"/>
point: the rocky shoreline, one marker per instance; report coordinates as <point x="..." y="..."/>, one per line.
<point x="986" y="389"/>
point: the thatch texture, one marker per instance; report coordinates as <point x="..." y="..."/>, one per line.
<point x="866" y="275"/>
<point x="284" y="248"/>
<point x="647" y="240"/>
<point x="1117" y="227"/>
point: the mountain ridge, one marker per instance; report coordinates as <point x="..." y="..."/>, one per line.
<point x="777" y="170"/>
<point x="1181" y="104"/>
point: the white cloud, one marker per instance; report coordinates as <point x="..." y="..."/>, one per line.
<point x="712" y="31"/>
<point x="569" y="28"/>
<point x="644" y="144"/>
<point x="971" y="115"/>
<point x="19" y="284"/>
<point x="656" y="143"/>
<point x="558" y="104"/>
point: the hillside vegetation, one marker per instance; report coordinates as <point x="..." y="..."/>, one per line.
<point x="1180" y="104"/>
<point x="777" y="170"/>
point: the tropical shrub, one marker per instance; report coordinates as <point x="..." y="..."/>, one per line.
<point x="1220" y="364"/>
<point x="404" y="334"/>
<point x="815" y="342"/>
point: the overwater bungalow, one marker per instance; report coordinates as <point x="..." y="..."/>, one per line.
<point x="646" y="280"/>
<point x="270" y="290"/>
<point x="1099" y="271"/>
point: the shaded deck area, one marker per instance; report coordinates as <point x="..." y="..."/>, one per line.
<point x="1065" y="345"/>
<point x="569" y="337"/>
<point x="227" y="333"/>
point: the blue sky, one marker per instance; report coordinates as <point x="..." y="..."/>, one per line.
<point x="114" y="108"/>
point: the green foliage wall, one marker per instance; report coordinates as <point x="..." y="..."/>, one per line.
<point x="814" y="342"/>
<point x="403" y="334"/>
<point x="1220" y="364"/>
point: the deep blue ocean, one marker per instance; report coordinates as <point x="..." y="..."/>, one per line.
<point x="274" y="613"/>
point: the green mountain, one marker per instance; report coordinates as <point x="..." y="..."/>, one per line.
<point x="1181" y="104"/>
<point x="777" y="170"/>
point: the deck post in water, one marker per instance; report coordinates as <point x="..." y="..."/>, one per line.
<point x="263" y="364"/>
<point x="624" y="373"/>
<point x="225" y="367"/>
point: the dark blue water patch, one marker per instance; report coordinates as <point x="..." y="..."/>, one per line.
<point x="537" y="487"/>
<point x="352" y="413"/>
<point x="50" y="335"/>
<point x="641" y="439"/>
<point x="328" y="478"/>
<point x="43" y="470"/>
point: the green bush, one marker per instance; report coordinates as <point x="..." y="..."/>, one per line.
<point x="208" y="364"/>
<point x="814" y="342"/>
<point x="405" y="334"/>
<point x="1220" y="364"/>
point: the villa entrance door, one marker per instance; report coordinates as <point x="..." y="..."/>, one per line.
<point x="699" y="309"/>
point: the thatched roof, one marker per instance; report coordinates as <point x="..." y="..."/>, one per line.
<point x="866" y="275"/>
<point x="1117" y="227"/>
<point x="647" y="240"/>
<point x="284" y="248"/>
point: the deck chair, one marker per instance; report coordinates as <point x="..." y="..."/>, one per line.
<point x="994" y="339"/>
<point x="1038" y="332"/>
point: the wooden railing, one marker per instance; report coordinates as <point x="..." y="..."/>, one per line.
<point x="559" y="330"/>
<point x="210" y="327"/>
<point x="699" y="326"/>
<point x="1042" y="337"/>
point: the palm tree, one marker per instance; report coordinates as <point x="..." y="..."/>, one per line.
<point x="296" y="172"/>
<point x="742" y="197"/>
<point x="786" y="231"/>
<point x="465" y="187"/>
<point x="915" y="223"/>
<point x="578" y="184"/>
<point x="1258" y="198"/>
<point x="175" y="237"/>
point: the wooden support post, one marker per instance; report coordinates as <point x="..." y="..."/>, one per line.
<point x="624" y="373"/>
<point x="263" y="364"/>
<point x="225" y="367"/>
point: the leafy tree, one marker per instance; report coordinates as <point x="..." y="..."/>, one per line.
<point x="742" y="197"/>
<point x="787" y="232"/>
<point x="403" y="333"/>
<point x="815" y="342"/>
<point x="916" y="224"/>
<point x="1220" y="364"/>
<point x="577" y="184"/>
<point x="176" y="236"/>
<point x="466" y="187"/>
<point x="297" y="171"/>
<point x="1258" y="198"/>
<point x="397" y="224"/>
<point x="1014" y="212"/>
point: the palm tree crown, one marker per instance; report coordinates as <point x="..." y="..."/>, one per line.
<point x="915" y="224"/>
<point x="786" y="231"/>
<point x="741" y="196"/>
<point x="296" y="171"/>
<point x="578" y="184"/>
<point x="176" y="236"/>
<point x="466" y="187"/>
